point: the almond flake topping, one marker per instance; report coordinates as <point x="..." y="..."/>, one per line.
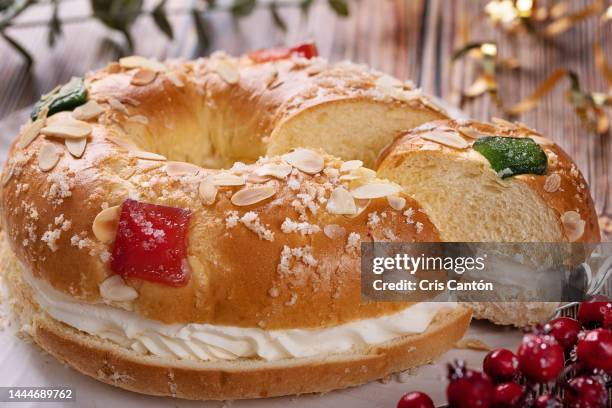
<point x="541" y="140"/>
<point x="76" y="147"/>
<point x="181" y="169"/>
<point x="90" y="110"/>
<point x="252" y="195"/>
<point x="105" y="224"/>
<point x="305" y="160"/>
<point x="573" y="225"/>
<point x="228" y="71"/>
<point x="175" y="79"/>
<point x="141" y="154"/>
<point x="350" y="165"/>
<point x="117" y="105"/>
<point x="48" y="156"/>
<point x="471" y="132"/>
<point x="67" y="129"/>
<point x="552" y="183"/>
<point x="396" y="202"/>
<point x="115" y="289"/>
<point x="334" y="231"/>
<point x="208" y="192"/>
<point x="341" y="202"/>
<point x="447" y="139"/>
<point x="143" y="76"/>
<point x="279" y="171"/>
<point x="375" y="190"/>
<point x="31" y="132"/>
<point x="135" y="61"/>
<point x="228" y="179"/>
<point x="143" y="120"/>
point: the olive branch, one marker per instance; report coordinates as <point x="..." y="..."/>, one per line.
<point x="120" y="15"/>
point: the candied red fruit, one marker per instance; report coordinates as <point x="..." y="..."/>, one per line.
<point x="151" y="243"/>
<point x="306" y="50"/>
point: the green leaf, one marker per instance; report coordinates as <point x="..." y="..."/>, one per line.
<point x="202" y="31"/>
<point x="340" y="7"/>
<point x="510" y="156"/>
<point x="211" y="4"/>
<point x="19" y="48"/>
<point x="118" y="15"/>
<point x="461" y="52"/>
<point x="66" y="97"/>
<point x="305" y="5"/>
<point x="242" y="8"/>
<point x="4" y="4"/>
<point x="55" y="24"/>
<point x="276" y="17"/>
<point x="161" y="20"/>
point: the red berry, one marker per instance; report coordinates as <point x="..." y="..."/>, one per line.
<point x="607" y="323"/>
<point x="540" y="358"/>
<point x="468" y="388"/>
<point x="508" y="395"/>
<point x="565" y="330"/>
<point x="415" y="400"/>
<point x="585" y="392"/>
<point x="500" y="365"/>
<point x="306" y="50"/>
<point x="151" y="243"/>
<point x="591" y="313"/>
<point x="595" y="349"/>
<point x="548" y="401"/>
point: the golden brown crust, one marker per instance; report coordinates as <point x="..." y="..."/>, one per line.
<point x="245" y="378"/>
<point x="562" y="187"/>
<point x="237" y="279"/>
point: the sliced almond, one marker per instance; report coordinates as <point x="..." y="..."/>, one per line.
<point x="305" y="160"/>
<point x="228" y="179"/>
<point x="471" y="132"/>
<point x="175" y="79"/>
<point x="67" y="129"/>
<point x="90" y="110"/>
<point x="350" y="165"/>
<point x="227" y="70"/>
<point x="573" y="225"/>
<point x="76" y="147"/>
<point x="136" y="61"/>
<point x="375" y="190"/>
<point x="552" y="183"/>
<point x="208" y="192"/>
<point x="122" y="143"/>
<point x="7" y="175"/>
<point x="279" y="171"/>
<point x="48" y="156"/>
<point x="256" y="179"/>
<point x="139" y="119"/>
<point x="543" y="141"/>
<point x="115" y="289"/>
<point x="334" y="231"/>
<point x="447" y="139"/>
<point x="181" y="169"/>
<point x="252" y="195"/>
<point x="341" y="202"/>
<point x="31" y="132"/>
<point x="117" y="105"/>
<point x="141" y="154"/>
<point x="396" y="202"/>
<point x="143" y="76"/>
<point x="105" y="224"/>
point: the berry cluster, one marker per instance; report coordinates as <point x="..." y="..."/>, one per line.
<point x="570" y="360"/>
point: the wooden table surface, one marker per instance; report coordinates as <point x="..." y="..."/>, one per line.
<point x="412" y="39"/>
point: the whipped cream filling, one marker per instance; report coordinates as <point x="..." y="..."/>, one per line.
<point x="199" y="341"/>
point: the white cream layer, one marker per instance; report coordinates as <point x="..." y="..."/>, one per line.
<point x="197" y="341"/>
